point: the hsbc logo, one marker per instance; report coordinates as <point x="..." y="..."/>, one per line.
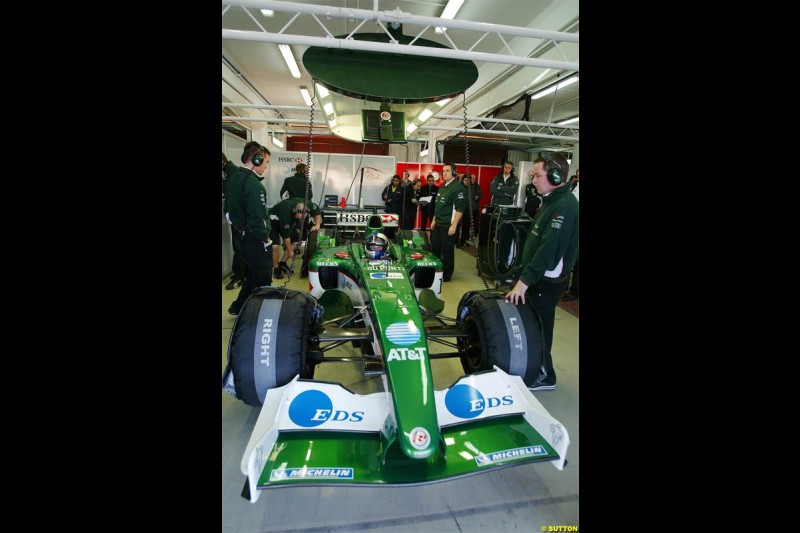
<point x="290" y="159"/>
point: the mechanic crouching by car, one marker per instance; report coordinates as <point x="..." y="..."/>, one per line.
<point x="550" y="252"/>
<point x="287" y="218"/>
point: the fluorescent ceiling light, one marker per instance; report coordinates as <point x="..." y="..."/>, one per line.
<point x="289" y="58"/>
<point x="423" y="153"/>
<point x="306" y="96"/>
<point x="332" y="123"/>
<point x="425" y="115"/>
<point x="323" y="92"/>
<point x="328" y="107"/>
<point x="576" y="119"/>
<point x="553" y="88"/>
<point x="277" y="142"/>
<point x="449" y="12"/>
<point x="411" y="127"/>
<point x="443" y="102"/>
<point x="268" y="12"/>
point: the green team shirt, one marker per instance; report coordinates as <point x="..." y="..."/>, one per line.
<point x="450" y="196"/>
<point x="295" y="187"/>
<point x="246" y="203"/>
<point x="282" y="214"/>
<point x="553" y="238"/>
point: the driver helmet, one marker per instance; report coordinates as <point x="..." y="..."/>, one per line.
<point x="376" y="246"/>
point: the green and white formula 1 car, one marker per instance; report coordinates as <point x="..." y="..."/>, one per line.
<point x="382" y="297"/>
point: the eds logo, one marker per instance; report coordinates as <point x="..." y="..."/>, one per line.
<point x="465" y="401"/>
<point x="312" y="408"/>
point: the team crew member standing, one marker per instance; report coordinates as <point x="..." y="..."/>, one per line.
<point x="238" y="267"/>
<point x="246" y="208"/>
<point x="295" y="186"/>
<point x="451" y="202"/>
<point x="550" y="252"/>
<point x="285" y="217"/>
<point x="504" y="186"/>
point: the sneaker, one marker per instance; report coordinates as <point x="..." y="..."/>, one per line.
<point x="543" y="386"/>
<point x="286" y="268"/>
<point x="232" y="310"/>
<point x="233" y="284"/>
<point x="277" y="273"/>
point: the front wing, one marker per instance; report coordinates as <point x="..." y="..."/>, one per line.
<point x="319" y="433"/>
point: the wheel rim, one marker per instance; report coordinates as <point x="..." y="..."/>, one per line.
<point x="472" y="355"/>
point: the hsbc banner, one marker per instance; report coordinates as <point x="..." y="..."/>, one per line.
<point x="343" y="176"/>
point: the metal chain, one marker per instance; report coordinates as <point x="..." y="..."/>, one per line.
<point x="306" y="194"/>
<point x="469" y="197"/>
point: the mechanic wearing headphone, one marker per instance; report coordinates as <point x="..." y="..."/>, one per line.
<point x="295" y="186"/>
<point x="286" y="217"/>
<point x="550" y="252"/>
<point x="451" y="202"/>
<point x="246" y="211"/>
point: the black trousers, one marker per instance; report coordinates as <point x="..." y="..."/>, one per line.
<point x="466" y="221"/>
<point x="443" y="246"/>
<point x="575" y="277"/>
<point x="259" y="265"/>
<point x="239" y="267"/>
<point x="544" y="297"/>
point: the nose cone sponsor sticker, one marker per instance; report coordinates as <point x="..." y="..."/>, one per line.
<point x="403" y="333"/>
<point x="420" y="438"/>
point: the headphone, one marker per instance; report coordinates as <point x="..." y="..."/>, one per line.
<point x="258" y="157"/>
<point x="553" y="170"/>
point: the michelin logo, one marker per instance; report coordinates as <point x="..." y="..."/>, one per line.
<point x="305" y="472"/>
<point x="497" y="457"/>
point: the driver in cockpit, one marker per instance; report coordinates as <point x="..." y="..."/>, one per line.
<point x="377" y="247"/>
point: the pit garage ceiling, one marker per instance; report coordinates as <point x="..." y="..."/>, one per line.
<point x="520" y="47"/>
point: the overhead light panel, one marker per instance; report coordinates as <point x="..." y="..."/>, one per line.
<point x="425" y="115"/>
<point x="328" y="107"/>
<point x="322" y="91"/>
<point x="268" y="12"/>
<point x="289" y="58"/>
<point x="411" y="127"/>
<point x="332" y="122"/>
<point x="277" y="142"/>
<point x="449" y="12"/>
<point x="443" y="102"/>
<point x="306" y="96"/>
<point x="423" y="153"/>
<point x="553" y="88"/>
<point x="570" y="121"/>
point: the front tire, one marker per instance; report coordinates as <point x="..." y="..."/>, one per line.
<point x="260" y="359"/>
<point x="500" y="333"/>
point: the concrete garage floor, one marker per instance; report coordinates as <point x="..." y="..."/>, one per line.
<point x="522" y="498"/>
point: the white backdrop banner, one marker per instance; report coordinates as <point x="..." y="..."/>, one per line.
<point x="343" y="176"/>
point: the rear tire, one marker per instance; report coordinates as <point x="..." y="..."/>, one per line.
<point x="500" y="333"/>
<point x="259" y="358"/>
